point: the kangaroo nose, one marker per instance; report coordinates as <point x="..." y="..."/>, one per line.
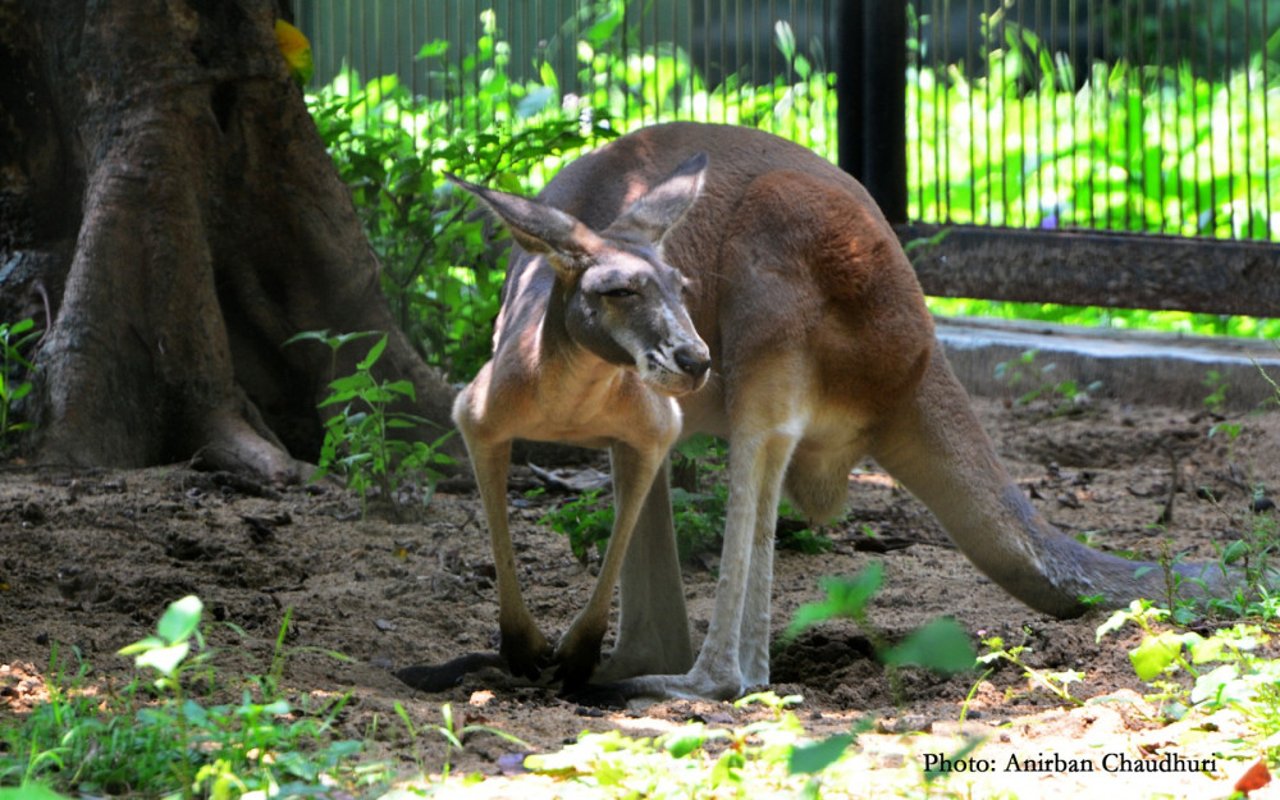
<point x="694" y="361"/>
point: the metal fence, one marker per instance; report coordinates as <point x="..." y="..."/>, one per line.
<point x="1015" y="125"/>
<point x="765" y="63"/>
<point x="1103" y="114"/>
<point x="1030" y="123"/>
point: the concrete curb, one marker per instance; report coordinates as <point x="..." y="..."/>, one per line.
<point x="1136" y="367"/>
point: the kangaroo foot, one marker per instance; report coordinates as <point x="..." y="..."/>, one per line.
<point x="576" y="658"/>
<point x="525" y="652"/>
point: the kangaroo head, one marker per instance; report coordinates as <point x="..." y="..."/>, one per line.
<point x="619" y="298"/>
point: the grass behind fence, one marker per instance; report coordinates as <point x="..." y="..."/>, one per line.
<point x="1157" y="150"/>
<point x="1154" y="149"/>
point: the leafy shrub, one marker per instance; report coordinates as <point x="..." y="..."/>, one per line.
<point x="360" y="440"/>
<point x="14" y="338"/>
<point x="441" y="274"/>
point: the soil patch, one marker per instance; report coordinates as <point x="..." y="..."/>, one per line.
<point x="88" y="561"/>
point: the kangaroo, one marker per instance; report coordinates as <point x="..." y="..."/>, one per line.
<point x="823" y="353"/>
<point x="592" y="345"/>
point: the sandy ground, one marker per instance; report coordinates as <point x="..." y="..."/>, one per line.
<point x="88" y="560"/>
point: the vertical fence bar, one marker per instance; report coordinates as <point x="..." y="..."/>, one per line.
<point x="945" y="214"/>
<point x="1247" y="72"/>
<point x="872" y="134"/>
<point x="1266" y="127"/>
<point x="1157" y="85"/>
<point x="1213" y="160"/>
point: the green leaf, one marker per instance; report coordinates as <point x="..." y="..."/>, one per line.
<point x="180" y="619"/>
<point x="846" y="598"/>
<point x="817" y="756"/>
<point x="1155" y="654"/>
<point x="433" y="49"/>
<point x="30" y="791"/>
<point x="375" y="353"/>
<point x="305" y="336"/>
<point x="785" y="38"/>
<point x="164" y="659"/>
<point x="548" y="75"/>
<point x="142" y="645"/>
<point x="401" y="387"/>
<point x="689" y="738"/>
<point x="941" y="646"/>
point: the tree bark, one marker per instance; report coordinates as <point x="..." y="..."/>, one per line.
<point x="166" y="189"/>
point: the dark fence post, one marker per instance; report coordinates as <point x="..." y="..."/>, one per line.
<point x="871" y="82"/>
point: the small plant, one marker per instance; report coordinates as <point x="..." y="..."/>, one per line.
<point x="154" y="739"/>
<point x="1055" y="683"/>
<point x="1215" y="403"/>
<point x="1221" y="671"/>
<point x="586" y="521"/>
<point x="1027" y="382"/>
<point x="699" y="518"/>
<point x="1218" y="385"/>
<point x="359" y="442"/>
<point x="14" y="337"/>
<point x="941" y="646"/>
<point x="1254" y="554"/>
<point x="1163" y="655"/>
<point x="454" y="734"/>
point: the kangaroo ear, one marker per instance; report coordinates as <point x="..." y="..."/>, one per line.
<point x="659" y="209"/>
<point x="538" y="227"/>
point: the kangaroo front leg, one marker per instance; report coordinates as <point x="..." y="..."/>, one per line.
<point x="653" y="626"/>
<point x="633" y="474"/>
<point x="523" y="646"/>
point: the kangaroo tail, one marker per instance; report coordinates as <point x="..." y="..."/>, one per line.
<point x="935" y="446"/>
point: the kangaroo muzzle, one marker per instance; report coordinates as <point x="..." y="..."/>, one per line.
<point x="676" y="369"/>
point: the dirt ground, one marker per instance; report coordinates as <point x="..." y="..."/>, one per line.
<point x="88" y="560"/>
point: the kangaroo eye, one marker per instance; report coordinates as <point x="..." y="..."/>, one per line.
<point x="620" y="292"/>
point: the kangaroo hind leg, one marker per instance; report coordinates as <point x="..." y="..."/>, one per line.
<point x="653" y="625"/>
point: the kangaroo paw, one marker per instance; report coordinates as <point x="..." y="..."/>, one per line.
<point x="526" y="656"/>
<point x="438" y="678"/>
<point x="577" y="656"/>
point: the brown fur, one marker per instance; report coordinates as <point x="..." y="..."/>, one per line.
<point x="823" y="353"/>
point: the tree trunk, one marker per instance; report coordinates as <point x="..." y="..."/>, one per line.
<point x="165" y="189"/>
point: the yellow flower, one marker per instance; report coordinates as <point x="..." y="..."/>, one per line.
<point x="296" y="49"/>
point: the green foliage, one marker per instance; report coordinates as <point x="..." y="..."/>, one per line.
<point x="1184" y="322"/>
<point x="452" y="732"/>
<point x="941" y="646"/>
<point x="360" y="441"/>
<point x="1130" y="146"/>
<point x="14" y="338"/>
<point x="660" y="82"/>
<point x="696" y="760"/>
<point x="392" y="148"/>
<point x="1136" y="147"/>
<point x="1253" y="555"/>
<point x="698" y="516"/>
<point x="1055" y="683"/>
<point x="1218" y="385"/>
<point x="155" y="740"/>
<point x="441" y="270"/>
<point x="1029" y="382"/>
<point x="586" y="520"/>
